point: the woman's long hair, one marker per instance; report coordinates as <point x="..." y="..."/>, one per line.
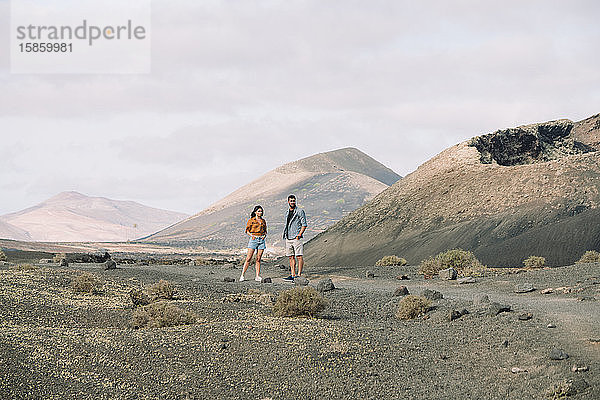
<point x="253" y="214"/>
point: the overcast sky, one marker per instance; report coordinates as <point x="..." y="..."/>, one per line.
<point x="240" y="87"/>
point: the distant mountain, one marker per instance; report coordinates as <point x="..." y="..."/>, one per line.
<point x="74" y="217"/>
<point x="328" y="186"/>
<point x="507" y="195"/>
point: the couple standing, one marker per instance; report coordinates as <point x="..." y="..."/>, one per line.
<point x="295" y="225"/>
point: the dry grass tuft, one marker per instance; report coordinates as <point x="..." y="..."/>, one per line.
<point x="162" y="290"/>
<point x="591" y="256"/>
<point x="160" y="315"/>
<point x="389" y="261"/>
<point x="464" y="262"/>
<point x="412" y="306"/>
<point x="22" y="267"/>
<point x="300" y="301"/>
<point x="534" y="262"/>
<point x="87" y="283"/>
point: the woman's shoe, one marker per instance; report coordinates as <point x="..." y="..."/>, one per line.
<point x="242" y="278"/>
<point x="258" y="279"/>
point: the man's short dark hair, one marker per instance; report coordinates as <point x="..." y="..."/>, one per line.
<point x="291" y="196"/>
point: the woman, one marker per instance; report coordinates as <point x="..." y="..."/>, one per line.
<point x="256" y="228"/>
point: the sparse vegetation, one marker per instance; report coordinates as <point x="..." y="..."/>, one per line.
<point x="534" y="262"/>
<point x="464" y="262"/>
<point x="412" y="306"/>
<point x="389" y="261"/>
<point x="160" y="315"/>
<point x="162" y="290"/>
<point x="139" y="297"/>
<point x="23" y="267"/>
<point x="87" y="283"/>
<point x="59" y="257"/>
<point x="301" y="301"/>
<point x="3" y="256"/>
<point x="591" y="256"/>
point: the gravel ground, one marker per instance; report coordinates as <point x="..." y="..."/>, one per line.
<point x="57" y="344"/>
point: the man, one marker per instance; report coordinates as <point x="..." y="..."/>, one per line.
<point x="295" y="225"/>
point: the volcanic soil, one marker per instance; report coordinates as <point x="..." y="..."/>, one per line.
<point x="59" y="344"/>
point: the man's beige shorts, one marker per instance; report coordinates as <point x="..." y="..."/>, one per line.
<point x="294" y="247"/>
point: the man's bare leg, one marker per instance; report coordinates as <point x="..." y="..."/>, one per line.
<point x="293" y="265"/>
<point x="300" y="264"/>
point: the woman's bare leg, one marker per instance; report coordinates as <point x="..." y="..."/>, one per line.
<point x="259" y="254"/>
<point x="247" y="262"/>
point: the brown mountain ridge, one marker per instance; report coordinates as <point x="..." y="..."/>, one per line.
<point x="517" y="192"/>
<point x="328" y="186"/>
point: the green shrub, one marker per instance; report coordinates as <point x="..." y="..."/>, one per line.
<point x="3" y="256"/>
<point x="464" y="262"/>
<point x="87" y="283"/>
<point x="390" y="261"/>
<point x="162" y="290"/>
<point x="591" y="256"/>
<point x="300" y="301"/>
<point x="160" y="315"/>
<point x="412" y="306"/>
<point x="534" y="262"/>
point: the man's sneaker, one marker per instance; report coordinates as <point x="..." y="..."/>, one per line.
<point x="258" y="279"/>
<point x="242" y="278"/>
<point x="289" y="279"/>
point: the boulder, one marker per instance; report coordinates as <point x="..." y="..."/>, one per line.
<point x="432" y="294"/>
<point x="370" y="274"/>
<point x="300" y="281"/>
<point x="266" y="280"/>
<point x="480" y="299"/>
<point x="468" y="279"/>
<point x="454" y="314"/>
<point x="110" y="264"/>
<point x="228" y="279"/>
<point x="524" y="288"/>
<point x="448" y="274"/>
<point x="402" y="277"/>
<point x="325" y="285"/>
<point x="497" y="308"/>
<point x="525" y="316"/>
<point x="401" y="291"/>
<point x="558" y="354"/>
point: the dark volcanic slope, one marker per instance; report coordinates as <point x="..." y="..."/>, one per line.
<point x="531" y="190"/>
<point x="328" y="186"/>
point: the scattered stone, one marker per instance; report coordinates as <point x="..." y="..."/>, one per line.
<point x="110" y="264"/>
<point x="586" y="298"/>
<point x="228" y="279"/>
<point x="558" y="354"/>
<point x="480" y="299"/>
<point x="550" y="326"/>
<point x="547" y="291"/>
<point x="517" y="370"/>
<point x="464" y="311"/>
<point x="63" y="262"/>
<point x="525" y="316"/>
<point x="578" y="368"/>
<point x="448" y="274"/>
<point x="224" y="346"/>
<point x="45" y="261"/>
<point x="325" y="285"/>
<point x="505" y="343"/>
<point x="300" y="281"/>
<point x="280" y="266"/>
<point x="524" y="288"/>
<point x="402" y="277"/>
<point x="497" y="308"/>
<point x="567" y="388"/>
<point x="401" y="291"/>
<point x="144" y="262"/>
<point x="139" y="297"/>
<point x="192" y="263"/>
<point x="454" y="314"/>
<point x="432" y="294"/>
<point x="468" y="279"/>
<point x="369" y="274"/>
<point x="3" y="263"/>
<point x="267" y="280"/>
<point x="594" y="340"/>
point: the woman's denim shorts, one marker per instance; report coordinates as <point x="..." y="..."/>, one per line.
<point x="257" y="244"/>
